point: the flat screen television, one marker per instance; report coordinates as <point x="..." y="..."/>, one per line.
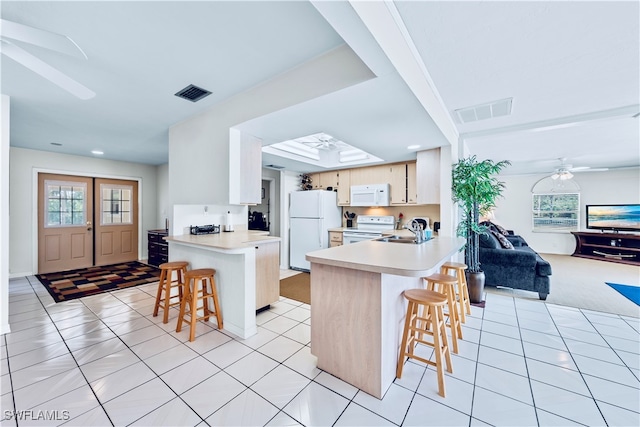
<point x="613" y="217"/>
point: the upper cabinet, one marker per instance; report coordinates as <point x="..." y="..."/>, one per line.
<point x="412" y="183"/>
<point x="245" y="168"/>
<point x="315" y="180"/>
<point x="344" y="187"/>
<point x="329" y="180"/>
<point x="324" y="180"/>
<point x="428" y="177"/>
<point x="370" y="175"/>
<point x="403" y="180"/>
<point x="398" y="182"/>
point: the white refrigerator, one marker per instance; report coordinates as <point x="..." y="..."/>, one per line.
<point x="311" y="214"/>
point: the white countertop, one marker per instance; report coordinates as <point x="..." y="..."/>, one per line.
<point x="225" y="240"/>
<point x="404" y="232"/>
<point x="402" y="259"/>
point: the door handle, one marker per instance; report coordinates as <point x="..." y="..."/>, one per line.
<point x="89" y="227"/>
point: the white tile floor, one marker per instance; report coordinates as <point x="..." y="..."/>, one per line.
<point x="104" y="360"/>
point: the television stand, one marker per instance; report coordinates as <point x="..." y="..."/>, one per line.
<point x="617" y="247"/>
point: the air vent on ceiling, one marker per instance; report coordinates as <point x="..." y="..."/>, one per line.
<point x="274" y="166"/>
<point x="485" y="111"/>
<point x="193" y="93"/>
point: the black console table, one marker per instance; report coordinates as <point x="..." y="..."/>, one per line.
<point x="158" y="248"/>
<point x="614" y="247"/>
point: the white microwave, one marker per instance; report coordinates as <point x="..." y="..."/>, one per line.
<point x="370" y="195"/>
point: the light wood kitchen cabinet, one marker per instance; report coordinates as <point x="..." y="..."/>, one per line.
<point x="267" y="274"/>
<point x="329" y="179"/>
<point x="315" y="180"/>
<point x="398" y="182"/>
<point x="344" y="187"/>
<point x="403" y="180"/>
<point x="335" y="238"/>
<point x="245" y="168"/>
<point x="323" y="180"/>
<point x="428" y="177"/>
<point x="412" y="184"/>
<point x="370" y="175"/>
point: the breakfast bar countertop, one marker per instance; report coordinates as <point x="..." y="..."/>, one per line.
<point x="225" y="240"/>
<point x="403" y="232"/>
<point x="358" y="309"/>
<point x="402" y="259"/>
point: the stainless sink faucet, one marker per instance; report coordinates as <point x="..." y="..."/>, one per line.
<point x="416" y="228"/>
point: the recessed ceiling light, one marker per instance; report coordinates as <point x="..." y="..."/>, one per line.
<point x="57" y="144"/>
<point x="413" y="147"/>
<point x="97" y="152"/>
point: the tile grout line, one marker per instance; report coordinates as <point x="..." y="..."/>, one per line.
<point x="143" y="362"/>
<point x="315" y="378"/>
<point x="72" y="355"/>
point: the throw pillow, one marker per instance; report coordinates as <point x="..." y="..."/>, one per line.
<point x="506" y="244"/>
<point x="487" y="240"/>
<point x="501" y="229"/>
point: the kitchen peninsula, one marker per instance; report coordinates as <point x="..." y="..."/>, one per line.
<point x="247" y="271"/>
<point x="357" y="305"/>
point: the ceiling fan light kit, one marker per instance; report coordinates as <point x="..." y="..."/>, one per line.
<point x="563" y="175"/>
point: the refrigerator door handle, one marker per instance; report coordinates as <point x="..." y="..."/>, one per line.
<point x="320" y="234"/>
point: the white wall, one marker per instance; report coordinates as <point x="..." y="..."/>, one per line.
<point x="276" y="203"/>
<point x="448" y="217"/>
<point x="4" y="212"/>
<point x="186" y="216"/>
<point x="290" y="181"/>
<point x="514" y="210"/>
<point x="164" y="210"/>
<point x="23" y="194"/>
<point x="266" y="201"/>
<point x="199" y="146"/>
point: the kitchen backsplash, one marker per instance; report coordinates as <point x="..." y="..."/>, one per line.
<point x="408" y="212"/>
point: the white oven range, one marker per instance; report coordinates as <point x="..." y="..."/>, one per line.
<point x="369" y="227"/>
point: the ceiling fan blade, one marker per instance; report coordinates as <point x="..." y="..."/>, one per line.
<point x="588" y="169"/>
<point x="579" y="168"/>
<point x="42" y="38"/>
<point x="24" y="58"/>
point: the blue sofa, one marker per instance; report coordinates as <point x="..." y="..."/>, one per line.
<point x="513" y="263"/>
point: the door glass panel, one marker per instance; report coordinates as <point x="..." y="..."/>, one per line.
<point x="65" y="204"/>
<point x="115" y="205"/>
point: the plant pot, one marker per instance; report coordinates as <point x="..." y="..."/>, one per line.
<point x="475" y="283"/>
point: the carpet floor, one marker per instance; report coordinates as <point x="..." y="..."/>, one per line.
<point x="581" y="283"/>
<point x="297" y="287"/>
<point x="73" y="284"/>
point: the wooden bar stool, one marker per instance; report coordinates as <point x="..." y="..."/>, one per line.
<point x="463" y="290"/>
<point x="446" y="285"/>
<point x="165" y="285"/>
<point x="430" y="323"/>
<point x="204" y="287"/>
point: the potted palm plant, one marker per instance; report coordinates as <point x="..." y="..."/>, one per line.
<point x="475" y="189"/>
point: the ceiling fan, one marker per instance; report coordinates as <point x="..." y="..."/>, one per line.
<point x="565" y="171"/>
<point x="11" y="32"/>
<point x="322" y="141"/>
